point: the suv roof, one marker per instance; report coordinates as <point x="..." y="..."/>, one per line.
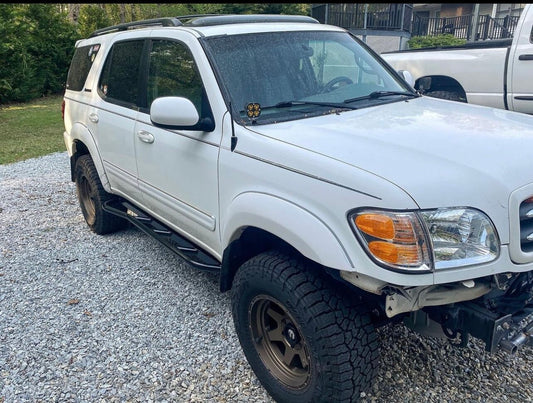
<point x="205" y="20"/>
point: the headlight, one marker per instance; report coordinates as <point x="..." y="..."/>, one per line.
<point x="461" y="237"/>
<point x="426" y="240"/>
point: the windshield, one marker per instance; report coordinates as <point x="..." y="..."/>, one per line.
<point x="278" y="76"/>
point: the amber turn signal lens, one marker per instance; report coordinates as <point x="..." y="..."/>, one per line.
<point x="395" y="253"/>
<point x="376" y="225"/>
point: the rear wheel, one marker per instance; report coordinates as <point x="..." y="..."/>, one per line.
<point x="92" y="196"/>
<point x="305" y="340"/>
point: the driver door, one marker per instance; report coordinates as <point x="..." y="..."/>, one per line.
<point x="177" y="170"/>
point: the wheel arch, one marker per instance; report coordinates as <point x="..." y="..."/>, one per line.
<point x="83" y="143"/>
<point x="257" y="222"/>
<point x="440" y="83"/>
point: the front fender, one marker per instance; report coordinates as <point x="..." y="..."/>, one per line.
<point x="297" y="226"/>
<point x="79" y="133"/>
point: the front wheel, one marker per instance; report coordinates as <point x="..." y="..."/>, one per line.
<point x="305" y="340"/>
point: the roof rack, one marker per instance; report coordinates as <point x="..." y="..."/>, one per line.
<point x="205" y="20"/>
<point x="165" y="22"/>
<point x="222" y="19"/>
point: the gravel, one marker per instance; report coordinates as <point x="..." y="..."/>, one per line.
<point x="119" y="318"/>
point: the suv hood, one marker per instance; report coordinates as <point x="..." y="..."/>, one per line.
<point x="441" y="153"/>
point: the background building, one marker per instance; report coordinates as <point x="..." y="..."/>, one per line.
<point x="388" y="26"/>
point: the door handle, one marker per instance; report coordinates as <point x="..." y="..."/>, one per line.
<point x="93" y="117"/>
<point x="525" y="57"/>
<point x="145" y="137"/>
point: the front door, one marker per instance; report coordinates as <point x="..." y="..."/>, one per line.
<point x="177" y="170"/>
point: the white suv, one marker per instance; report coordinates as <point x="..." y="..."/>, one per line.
<point x="331" y="197"/>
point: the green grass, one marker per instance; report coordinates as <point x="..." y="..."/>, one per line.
<point x="31" y="129"/>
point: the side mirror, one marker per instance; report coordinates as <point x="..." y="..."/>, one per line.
<point x="178" y="113"/>
<point x="407" y="77"/>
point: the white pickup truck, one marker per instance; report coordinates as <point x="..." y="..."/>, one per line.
<point x="494" y="73"/>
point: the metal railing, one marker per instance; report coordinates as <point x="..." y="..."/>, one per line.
<point x="496" y="28"/>
<point x="461" y="27"/>
<point x="376" y="16"/>
<point x="400" y="17"/>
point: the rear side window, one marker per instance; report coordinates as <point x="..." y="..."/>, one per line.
<point x="80" y="66"/>
<point x="119" y="82"/>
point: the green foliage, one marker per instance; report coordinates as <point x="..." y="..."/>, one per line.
<point x="91" y="18"/>
<point x="38" y="39"/>
<point x="36" y="47"/>
<point x="418" y="42"/>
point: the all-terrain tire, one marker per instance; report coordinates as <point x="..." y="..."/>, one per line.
<point x="306" y="340"/>
<point x="449" y="95"/>
<point x="91" y="196"/>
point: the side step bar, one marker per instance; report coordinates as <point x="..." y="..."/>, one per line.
<point x="172" y="240"/>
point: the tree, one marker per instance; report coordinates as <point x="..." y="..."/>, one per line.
<point x="91" y="18"/>
<point x="36" y="47"/>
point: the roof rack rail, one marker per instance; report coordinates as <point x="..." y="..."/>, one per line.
<point x="165" y="22"/>
<point x="205" y="20"/>
<point x="191" y="16"/>
<point x="222" y="19"/>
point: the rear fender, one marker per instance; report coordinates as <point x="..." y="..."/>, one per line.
<point x="81" y="136"/>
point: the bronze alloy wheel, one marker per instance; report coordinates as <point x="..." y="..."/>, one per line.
<point x="92" y="196"/>
<point x="279" y="342"/>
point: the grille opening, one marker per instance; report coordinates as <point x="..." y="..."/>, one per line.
<point x="526" y="225"/>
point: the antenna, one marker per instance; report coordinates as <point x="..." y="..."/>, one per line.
<point x="233" y="137"/>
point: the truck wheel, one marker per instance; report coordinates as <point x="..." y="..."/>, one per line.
<point x="91" y="196"/>
<point x="305" y="340"/>
<point x="449" y="95"/>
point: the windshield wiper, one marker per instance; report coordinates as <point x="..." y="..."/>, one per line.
<point x="380" y="94"/>
<point x="288" y="104"/>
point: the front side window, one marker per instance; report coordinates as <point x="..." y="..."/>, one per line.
<point x="119" y="82"/>
<point x="278" y="76"/>
<point x="173" y="72"/>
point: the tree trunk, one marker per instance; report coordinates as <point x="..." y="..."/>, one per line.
<point x="73" y="12"/>
<point x="122" y="13"/>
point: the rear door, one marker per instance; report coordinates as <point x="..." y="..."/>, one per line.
<point x="114" y="113"/>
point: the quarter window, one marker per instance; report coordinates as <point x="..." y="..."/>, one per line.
<point x="80" y="66"/>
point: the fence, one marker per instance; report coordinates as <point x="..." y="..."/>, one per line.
<point x="461" y="27"/>
<point x="400" y="17"/>
<point x="376" y="16"/>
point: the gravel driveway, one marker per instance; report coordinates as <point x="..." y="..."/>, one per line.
<point x="87" y="318"/>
